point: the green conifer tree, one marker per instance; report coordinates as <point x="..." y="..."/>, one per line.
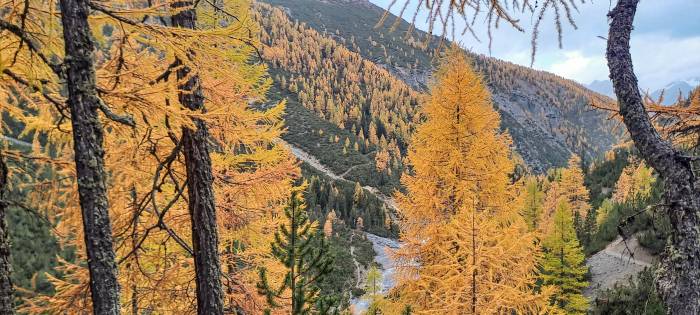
<point x="563" y="263"/>
<point x="305" y="255"/>
<point x="534" y="200"/>
<point x="589" y="228"/>
<point x="373" y="285"/>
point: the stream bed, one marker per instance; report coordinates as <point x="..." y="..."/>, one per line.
<point x="382" y="247"/>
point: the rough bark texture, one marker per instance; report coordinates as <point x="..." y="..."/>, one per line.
<point x="678" y="278"/>
<point x="205" y="237"/>
<point x="89" y="156"/>
<point x="6" y="289"/>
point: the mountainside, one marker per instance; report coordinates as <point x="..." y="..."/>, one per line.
<point x="376" y="77"/>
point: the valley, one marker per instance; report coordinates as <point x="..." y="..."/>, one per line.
<point x="615" y="264"/>
<point x="328" y="157"/>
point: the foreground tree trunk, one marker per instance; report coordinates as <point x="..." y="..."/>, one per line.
<point x="6" y="289"/>
<point x="89" y="156"/>
<point x="205" y="237"/>
<point x="679" y="273"/>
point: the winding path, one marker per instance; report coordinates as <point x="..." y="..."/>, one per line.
<point x="350" y="169"/>
<point x="315" y="163"/>
<point x="358" y="273"/>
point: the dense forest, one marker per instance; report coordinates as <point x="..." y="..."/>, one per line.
<point x="326" y="157"/>
<point x="547" y="115"/>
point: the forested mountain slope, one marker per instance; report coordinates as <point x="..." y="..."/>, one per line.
<point x="332" y="51"/>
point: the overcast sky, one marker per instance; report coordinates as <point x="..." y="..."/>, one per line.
<point x="665" y="43"/>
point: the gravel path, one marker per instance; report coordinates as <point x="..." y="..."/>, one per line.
<point x="614" y="264"/>
<point x="312" y="160"/>
<point x="315" y="163"/>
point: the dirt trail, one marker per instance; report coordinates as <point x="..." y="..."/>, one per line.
<point x="315" y="163"/>
<point x="615" y="264"/>
<point x="350" y="169"/>
<point x="312" y="160"/>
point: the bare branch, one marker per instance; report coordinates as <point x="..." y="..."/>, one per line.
<point x="126" y="120"/>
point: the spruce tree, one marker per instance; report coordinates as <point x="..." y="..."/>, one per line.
<point x="563" y="264"/>
<point x="305" y="255"/>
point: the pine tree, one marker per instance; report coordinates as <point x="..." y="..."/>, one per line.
<point x="304" y="254"/>
<point x="588" y="228"/>
<point x="88" y="136"/>
<point x="563" y="265"/>
<point x="200" y="186"/>
<point x="459" y="216"/>
<point x="328" y="225"/>
<point x="602" y="213"/>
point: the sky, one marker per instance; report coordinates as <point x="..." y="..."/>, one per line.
<point x="665" y="42"/>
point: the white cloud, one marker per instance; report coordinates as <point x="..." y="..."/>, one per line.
<point x="660" y="59"/>
<point x="575" y="65"/>
<point x="665" y="42"/>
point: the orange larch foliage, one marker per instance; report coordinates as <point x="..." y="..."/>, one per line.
<point x="143" y="122"/>
<point x="338" y="84"/>
<point x="466" y="248"/>
<point x="635" y="182"/>
<point x="567" y="183"/>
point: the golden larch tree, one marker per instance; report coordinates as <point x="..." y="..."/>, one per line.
<point x="635" y="181"/>
<point x="466" y="248"/>
<point x="573" y="189"/>
<point x="143" y="118"/>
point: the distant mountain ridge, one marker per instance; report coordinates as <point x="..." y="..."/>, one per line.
<point x="547" y="116"/>
<point x="675" y="89"/>
<point x="603" y="87"/>
<point x="671" y="91"/>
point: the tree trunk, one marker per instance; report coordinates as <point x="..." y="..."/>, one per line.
<point x="678" y="278"/>
<point x="89" y="156"/>
<point x="6" y="289"/>
<point x="205" y="238"/>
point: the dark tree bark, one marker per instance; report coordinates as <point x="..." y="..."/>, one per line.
<point x="89" y="156"/>
<point x="6" y="290"/>
<point x="205" y="237"/>
<point x="679" y="273"/>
